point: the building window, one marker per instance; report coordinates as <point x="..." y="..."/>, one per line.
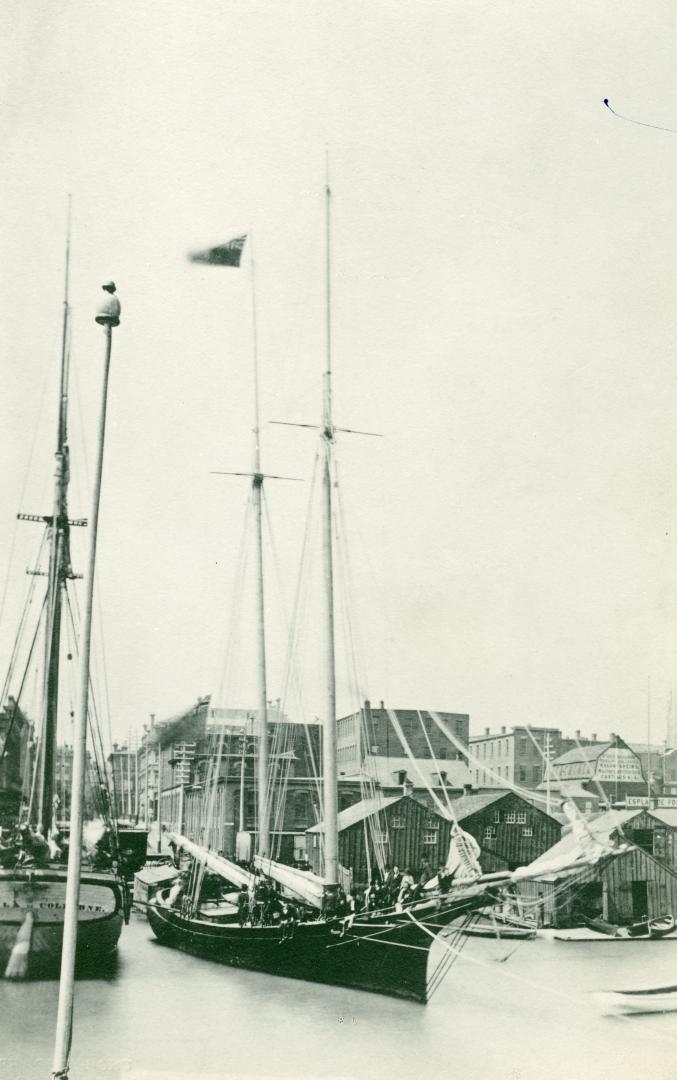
<point x="397" y="823"/>
<point x="521" y="817"/>
<point x="497" y="816"/>
<point x="431" y="823"/>
<point x="527" y="832"/>
<point x="490" y="832"/>
<point x="511" y="817"/>
<point x="522" y="774"/>
<point x="429" y="837"/>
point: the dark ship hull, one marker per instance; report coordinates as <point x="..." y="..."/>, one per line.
<point x="385" y="953"/>
<point x="32" y="904"/>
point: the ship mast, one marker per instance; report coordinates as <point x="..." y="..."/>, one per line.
<point x="329" y="720"/>
<point x="58" y="572"/>
<point x="257" y="498"/>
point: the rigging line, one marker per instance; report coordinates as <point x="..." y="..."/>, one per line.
<point x="639" y="123"/>
<point x="23" y="679"/>
<point x="526" y="793"/>
<point x="349" y="578"/>
<point x="450" y="808"/>
<point x="24" y="618"/>
<point x="292" y="677"/>
<point x="209" y="798"/>
<point x="92" y="710"/>
<point x="401" y="736"/>
<point x="37" y="428"/>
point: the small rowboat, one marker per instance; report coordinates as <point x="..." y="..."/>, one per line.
<point x="498" y="930"/>
<point x="624" y="1002"/>
<point x="652" y="928"/>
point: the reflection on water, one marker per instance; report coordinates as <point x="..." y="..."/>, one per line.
<point x="506" y="1011"/>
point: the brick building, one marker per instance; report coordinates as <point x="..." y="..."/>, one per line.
<point x="517" y="757"/>
<point x="371" y="733"/>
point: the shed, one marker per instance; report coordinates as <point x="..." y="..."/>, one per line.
<point x="507" y="827"/>
<point x="621" y="888"/>
<point x="409" y="832"/>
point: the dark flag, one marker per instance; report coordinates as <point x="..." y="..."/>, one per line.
<point x="227" y="254"/>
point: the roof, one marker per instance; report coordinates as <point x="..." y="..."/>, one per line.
<point x="582" y="753"/>
<point x="568" y="789"/>
<point x="471" y="804"/>
<point x="667" y="815"/>
<point x="362" y="810"/>
<point x="384" y="770"/>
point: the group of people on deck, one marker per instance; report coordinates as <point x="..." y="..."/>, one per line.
<point x="259" y="904"/>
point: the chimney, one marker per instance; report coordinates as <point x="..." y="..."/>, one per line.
<point x="578" y="736"/>
<point x="407" y="788"/>
<point x="467" y="789"/>
<point x="594" y="736"/>
<point x="486" y="731"/>
<point x="502" y="731"/>
<point x="152" y="720"/>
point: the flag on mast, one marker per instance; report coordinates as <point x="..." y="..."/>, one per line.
<point x="227" y="254"/>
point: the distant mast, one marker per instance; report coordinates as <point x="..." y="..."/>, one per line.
<point x="59" y="570"/>
<point x="331" y="866"/>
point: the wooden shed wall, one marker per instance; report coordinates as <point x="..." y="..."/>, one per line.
<point x="510" y="842"/>
<point x="556" y="901"/>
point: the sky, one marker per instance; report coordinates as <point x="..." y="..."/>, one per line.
<point x="503" y="285"/>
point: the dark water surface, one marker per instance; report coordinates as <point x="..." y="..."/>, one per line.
<point x="164" y="1015"/>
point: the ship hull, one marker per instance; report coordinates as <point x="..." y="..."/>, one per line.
<point x="42" y="893"/>
<point x="381" y="953"/>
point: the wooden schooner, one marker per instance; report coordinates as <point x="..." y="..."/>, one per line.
<point x="33" y="853"/>
<point x="385" y="951"/>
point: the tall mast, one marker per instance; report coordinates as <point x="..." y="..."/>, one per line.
<point x="107" y="316"/>
<point x="59" y="571"/>
<point x="257" y="498"/>
<point x="329" y="719"/>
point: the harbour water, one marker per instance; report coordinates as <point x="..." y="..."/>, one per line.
<point x="506" y="1011"/>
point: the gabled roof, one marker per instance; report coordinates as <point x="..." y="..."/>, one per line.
<point x="582" y="753"/>
<point x="471" y="804"/>
<point x="667" y="815"/>
<point x="368" y="807"/>
<point x="362" y="810"/>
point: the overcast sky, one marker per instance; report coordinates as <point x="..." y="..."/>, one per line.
<point x="504" y="314"/>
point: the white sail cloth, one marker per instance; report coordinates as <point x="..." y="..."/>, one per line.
<point x="216" y="863"/>
<point x="302" y="883"/>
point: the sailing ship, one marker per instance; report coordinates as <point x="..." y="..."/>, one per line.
<point x="385" y="950"/>
<point x="33" y="850"/>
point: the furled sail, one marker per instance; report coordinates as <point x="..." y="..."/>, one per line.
<point x="216" y="863"/>
<point x="302" y="883"/>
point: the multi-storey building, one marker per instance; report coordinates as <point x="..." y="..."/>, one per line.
<point x="517" y="757"/>
<point x="372" y="732"/>
<point x="123" y="770"/>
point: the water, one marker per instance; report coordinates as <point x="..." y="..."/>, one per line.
<point x="164" y="1015"/>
